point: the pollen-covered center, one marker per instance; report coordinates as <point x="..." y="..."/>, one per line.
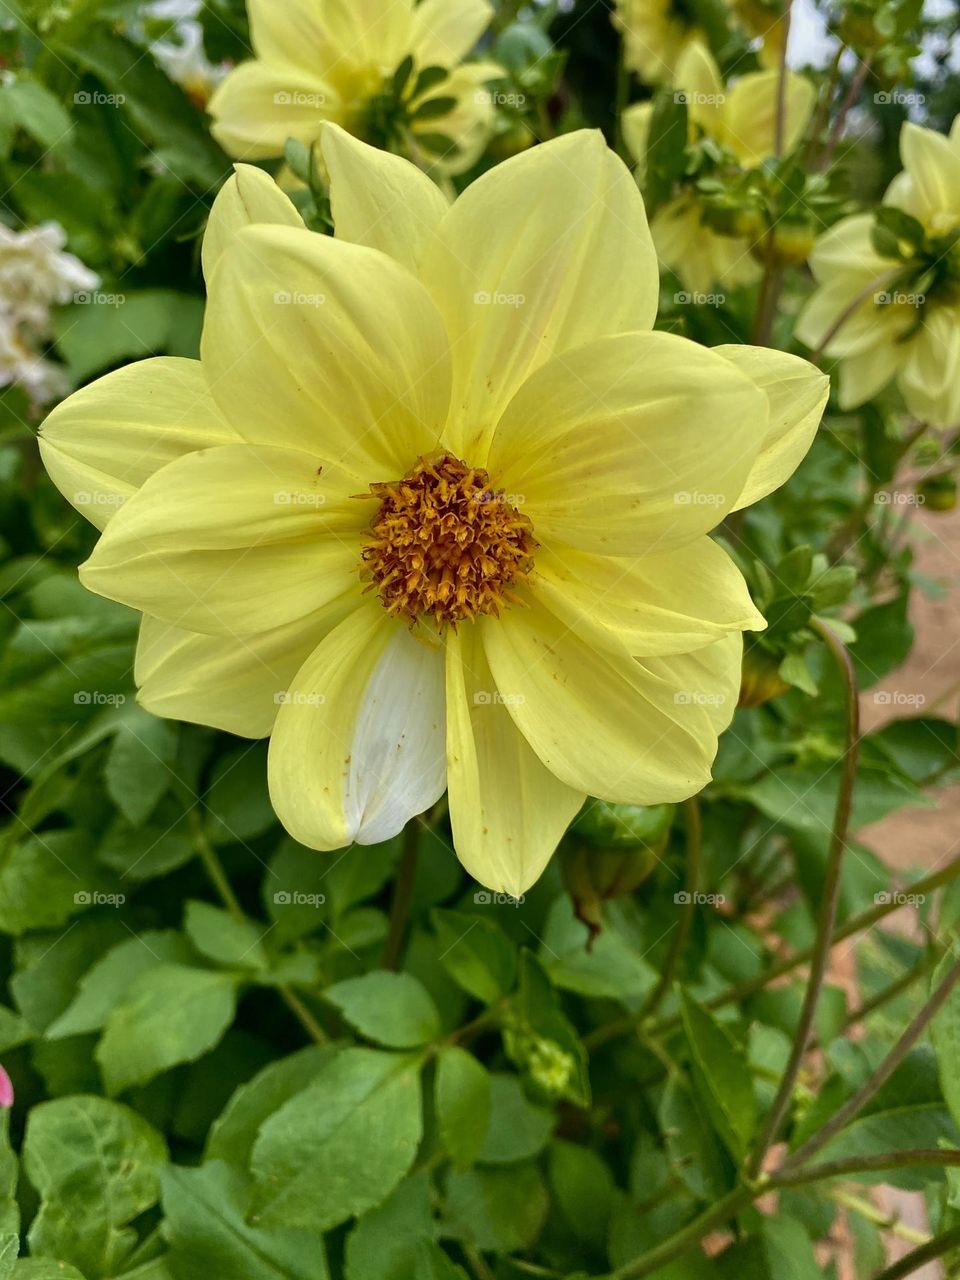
<point x="445" y="546"/>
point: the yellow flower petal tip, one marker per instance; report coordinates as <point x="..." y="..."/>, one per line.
<point x="437" y="517"/>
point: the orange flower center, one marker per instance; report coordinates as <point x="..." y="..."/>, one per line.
<point x="444" y="545"/>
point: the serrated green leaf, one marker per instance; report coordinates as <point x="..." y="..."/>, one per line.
<point x="462" y="1096"/>
<point x="340" y="1146"/>
<point x="171" y="1014"/>
<point x="392" y="1009"/>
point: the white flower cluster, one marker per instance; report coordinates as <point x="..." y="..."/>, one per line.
<point x="181" y="52"/>
<point x="35" y="275"/>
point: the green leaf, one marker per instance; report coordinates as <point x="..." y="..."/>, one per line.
<point x="462" y="1095"/>
<point x="431" y="1263"/>
<point x="666" y="147"/>
<point x="171" y="1014"/>
<point x="609" y="968"/>
<point x="386" y="1241"/>
<point x="340" y="1146"/>
<point x="501" y="1210"/>
<point x="44" y="1269"/>
<point x="95" y="1165"/>
<point x="722" y="1067"/>
<point x="539" y="1037"/>
<point x="945" y="1036"/>
<point x="518" y="1130"/>
<point x="138" y="768"/>
<point x="209" y="1236"/>
<point x="9" y="1208"/>
<point x="476" y="953"/>
<point x="584" y="1189"/>
<point x="216" y="934"/>
<point x="393" y="1009"/>
<point x="232" y="1136"/>
<point x="48" y="878"/>
<point x="94" y="335"/>
<point x="104" y="986"/>
<point x="238" y="805"/>
<point x="695" y="1152"/>
<point x="35" y="109"/>
<point x="434" y="108"/>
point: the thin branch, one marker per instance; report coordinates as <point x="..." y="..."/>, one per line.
<point x="934" y="1248"/>
<point x="402" y="894"/>
<point x="828" y="912"/>
<point x="691" y="886"/>
<point x="855" y="1165"/>
<point x="853" y="1106"/>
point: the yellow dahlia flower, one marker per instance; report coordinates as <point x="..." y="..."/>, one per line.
<point x="742" y="120"/>
<point x="432" y="508"/>
<point x="888" y="317"/>
<point x="320" y="60"/>
<point x="656" y="34"/>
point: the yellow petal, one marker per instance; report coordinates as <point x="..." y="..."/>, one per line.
<point x="630" y="445"/>
<point x="358" y="749"/>
<point x="260" y="105"/>
<point x="797" y="393"/>
<point x="290" y="32"/>
<point x="701" y="257"/>
<point x="658" y="604"/>
<point x="750" y="115"/>
<point x="507" y="811"/>
<point x="237" y="685"/>
<point x="618" y="728"/>
<point x="865" y="373"/>
<point x="231" y="541"/>
<point x="106" y="439"/>
<point x="445" y="31"/>
<point x="328" y="347"/>
<point x="379" y="199"/>
<point x="698" y="82"/>
<point x="635" y="124"/>
<point x="930" y="379"/>
<point x="934" y="166"/>
<point x="540" y="254"/>
<point x="249" y="196"/>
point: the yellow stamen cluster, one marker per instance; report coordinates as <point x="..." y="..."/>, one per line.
<point x="444" y="545"/>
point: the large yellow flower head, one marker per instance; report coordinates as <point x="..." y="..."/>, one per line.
<point x="742" y="120"/>
<point x="390" y="71"/>
<point x="897" y="317"/>
<point x="432" y="508"/>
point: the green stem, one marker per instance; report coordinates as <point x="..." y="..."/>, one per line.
<point x="853" y="1106"/>
<point x="864" y="1164"/>
<point x="218" y="877"/>
<point x="691" y="886"/>
<point x="934" y="1248"/>
<point x="885" y="1221"/>
<point x="828" y="913"/>
<point x="654" y="1259"/>
<point x="402" y="895"/>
